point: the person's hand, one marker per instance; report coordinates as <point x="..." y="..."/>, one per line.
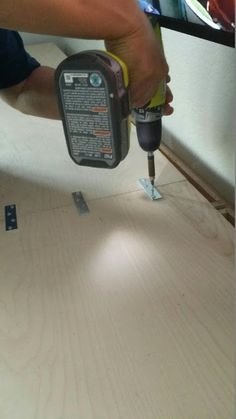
<point x="168" y="109"/>
<point x="147" y="66"/>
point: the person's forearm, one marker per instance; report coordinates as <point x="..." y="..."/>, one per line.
<point x="35" y="96"/>
<point x="95" y="19"/>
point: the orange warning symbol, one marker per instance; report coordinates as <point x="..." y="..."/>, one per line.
<point x="101" y="133"/>
<point x="102" y="109"/>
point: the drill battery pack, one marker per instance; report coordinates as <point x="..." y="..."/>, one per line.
<point x="93" y="100"/>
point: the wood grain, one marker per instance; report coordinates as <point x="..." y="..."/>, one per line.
<point x="124" y="313"/>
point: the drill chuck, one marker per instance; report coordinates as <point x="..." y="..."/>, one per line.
<point x="149" y="134"/>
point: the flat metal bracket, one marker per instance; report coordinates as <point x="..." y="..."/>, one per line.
<point x="80" y="203"/>
<point x="150" y="190"/>
<point x="10" y="217"/>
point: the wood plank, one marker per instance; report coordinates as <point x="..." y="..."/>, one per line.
<point x="200" y="213"/>
<point x="211" y="195"/>
<point x="124" y="313"/>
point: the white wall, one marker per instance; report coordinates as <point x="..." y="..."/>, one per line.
<point x="201" y="131"/>
<point x="77" y="45"/>
<point x="30" y="38"/>
<point x="68" y="45"/>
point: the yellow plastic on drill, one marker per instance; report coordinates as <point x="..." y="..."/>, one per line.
<point x="126" y="79"/>
<point x="123" y="66"/>
<point x="160" y="96"/>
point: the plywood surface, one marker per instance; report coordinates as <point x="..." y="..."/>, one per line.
<point x="125" y="313"/>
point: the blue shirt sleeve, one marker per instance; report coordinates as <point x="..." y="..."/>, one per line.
<point x="15" y="63"/>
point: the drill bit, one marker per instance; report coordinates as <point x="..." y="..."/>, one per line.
<point x="151" y="167"/>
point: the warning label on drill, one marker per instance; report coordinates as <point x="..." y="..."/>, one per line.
<point x="85" y="102"/>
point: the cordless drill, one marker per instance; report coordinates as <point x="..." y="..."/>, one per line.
<point x="93" y="99"/>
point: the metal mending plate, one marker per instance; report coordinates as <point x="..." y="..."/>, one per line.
<point x="150" y="190"/>
<point x="80" y="203"/>
<point x="10" y="217"/>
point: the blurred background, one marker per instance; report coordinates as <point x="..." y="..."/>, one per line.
<point x="202" y="12"/>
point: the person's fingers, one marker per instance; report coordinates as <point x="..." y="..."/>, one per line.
<point x="145" y="74"/>
<point x="146" y="90"/>
<point x="168" y="110"/>
<point x="169" y="95"/>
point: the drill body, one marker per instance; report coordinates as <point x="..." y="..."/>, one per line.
<point x="93" y="100"/>
<point x="148" y="120"/>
